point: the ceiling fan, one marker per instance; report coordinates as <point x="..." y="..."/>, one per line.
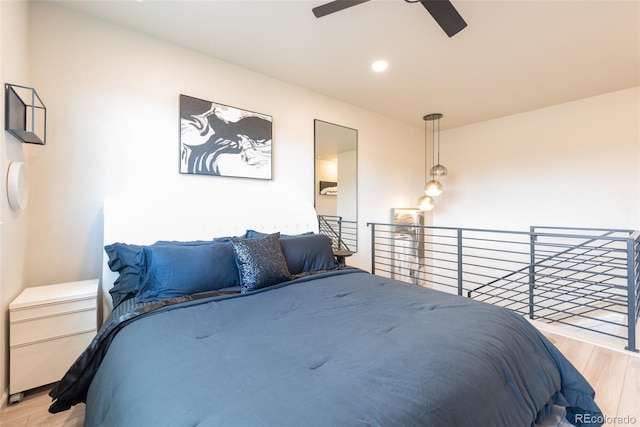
<point x="442" y="11"/>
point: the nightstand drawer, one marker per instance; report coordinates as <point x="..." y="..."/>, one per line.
<point x="45" y="310"/>
<point x="45" y="362"/>
<point x="46" y="328"/>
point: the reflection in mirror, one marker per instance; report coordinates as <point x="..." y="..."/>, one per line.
<point x="336" y="184"/>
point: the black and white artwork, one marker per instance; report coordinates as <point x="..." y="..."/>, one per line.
<point x="328" y="188"/>
<point x="216" y="139"/>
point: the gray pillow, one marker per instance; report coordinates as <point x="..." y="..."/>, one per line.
<point x="260" y="262"/>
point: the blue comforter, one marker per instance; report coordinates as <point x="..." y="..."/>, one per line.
<point x="337" y="349"/>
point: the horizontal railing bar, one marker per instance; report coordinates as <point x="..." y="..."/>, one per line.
<point x="573" y="303"/>
<point x="582" y="297"/>
<point x="588" y="282"/>
<point x="514" y="232"/>
<point x="584" y="315"/>
<point x="617" y="230"/>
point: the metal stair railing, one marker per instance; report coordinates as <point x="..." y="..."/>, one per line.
<point x="598" y="278"/>
<point x="541" y="263"/>
<point x="585" y="278"/>
<point x="341" y="232"/>
<point x="534" y="264"/>
<point x="588" y="259"/>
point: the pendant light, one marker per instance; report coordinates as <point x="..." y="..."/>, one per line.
<point x="432" y="188"/>
<point x="439" y="171"/>
<point x="426" y="202"/>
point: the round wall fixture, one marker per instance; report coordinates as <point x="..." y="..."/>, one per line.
<point x="18" y="185"/>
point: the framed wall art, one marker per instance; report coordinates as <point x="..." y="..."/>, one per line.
<point x="328" y="188"/>
<point x="220" y="140"/>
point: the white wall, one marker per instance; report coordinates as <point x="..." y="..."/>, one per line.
<point x="112" y="97"/>
<point x="574" y="164"/>
<point x="13" y="231"/>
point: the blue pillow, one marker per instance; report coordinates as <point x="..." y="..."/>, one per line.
<point x="304" y="253"/>
<point x="308" y="252"/>
<point x="173" y="270"/>
<point x="260" y="262"/>
<point x="122" y="259"/>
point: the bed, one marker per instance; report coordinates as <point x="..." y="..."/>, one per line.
<point x="282" y="335"/>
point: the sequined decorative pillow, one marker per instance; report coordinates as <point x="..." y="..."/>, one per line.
<point x="260" y="262"/>
<point x="304" y="253"/>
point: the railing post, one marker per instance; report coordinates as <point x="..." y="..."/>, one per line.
<point x="631" y="295"/>
<point x="532" y="271"/>
<point x="373" y="248"/>
<point x="459" y="261"/>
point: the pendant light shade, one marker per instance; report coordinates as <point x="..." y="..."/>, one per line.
<point x="438" y="171"/>
<point x="426" y="203"/>
<point x="433" y="188"/>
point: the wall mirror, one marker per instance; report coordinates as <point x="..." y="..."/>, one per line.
<point x="336" y="183"/>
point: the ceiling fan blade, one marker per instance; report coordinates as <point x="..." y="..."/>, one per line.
<point x="445" y="15"/>
<point x="334" y="6"/>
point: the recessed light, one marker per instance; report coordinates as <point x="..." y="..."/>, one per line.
<point x="379" y="65"/>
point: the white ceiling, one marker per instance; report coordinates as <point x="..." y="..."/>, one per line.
<point x="514" y="56"/>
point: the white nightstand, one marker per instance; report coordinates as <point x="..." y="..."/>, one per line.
<point x="49" y="326"/>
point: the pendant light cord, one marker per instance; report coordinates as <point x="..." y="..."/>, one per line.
<point x="425" y="150"/>
<point x="433" y="147"/>
<point x="438" y="141"/>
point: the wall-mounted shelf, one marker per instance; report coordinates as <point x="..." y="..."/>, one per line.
<point x="25" y="114"/>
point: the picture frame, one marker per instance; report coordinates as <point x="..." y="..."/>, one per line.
<point x="328" y="188"/>
<point x="219" y="140"/>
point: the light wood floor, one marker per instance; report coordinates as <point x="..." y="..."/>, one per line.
<point x="33" y="411"/>
<point x="615" y="375"/>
